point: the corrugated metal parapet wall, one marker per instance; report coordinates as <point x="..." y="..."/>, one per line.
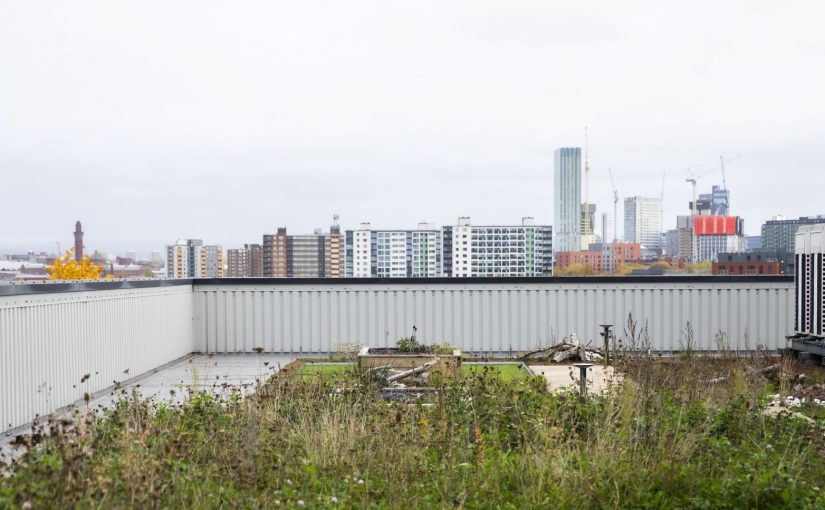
<point x="489" y="316"/>
<point x="50" y="340"/>
<point x="53" y="334"/>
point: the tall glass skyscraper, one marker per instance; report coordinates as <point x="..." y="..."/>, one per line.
<point x="567" y="199"/>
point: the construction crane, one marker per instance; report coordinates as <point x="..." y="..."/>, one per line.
<point x="723" y="162"/>
<point x="615" y="205"/>
<point x="724" y="181"/>
<point x="693" y="248"/>
<point x="692" y="180"/>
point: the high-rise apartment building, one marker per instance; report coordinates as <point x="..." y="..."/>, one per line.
<point x="334" y="253"/>
<point x="305" y="256"/>
<point x="684" y="238"/>
<point x="208" y="261"/>
<point x="359" y="262"/>
<point x="275" y="254"/>
<point x="426" y="251"/>
<point x="607" y="228"/>
<point x="189" y="258"/>
<point x="180" y="258"/>
<point x="394" y="253"/>
<point x="177" y="260"/>
<point x="671" y="246"/>
<point x="779" y="234"/>
<point x="245" y="262"/>
<point x="567" y="215"/>
<point x="237" y="265"/>
<point x="256" y="260"/>
<point x="500" y="250"/>
<point x="643" y="222"/>
<point x="316" y="255"/>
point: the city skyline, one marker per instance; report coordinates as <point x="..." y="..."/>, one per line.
<point x="451" y="115"/>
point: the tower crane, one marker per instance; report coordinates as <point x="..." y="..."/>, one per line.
<point x="615" y="205"/>
<point x="693" y="248"/>
<point x="724" y="181"/>
<point x="692" y="179"/>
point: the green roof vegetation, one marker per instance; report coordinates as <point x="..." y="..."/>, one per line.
<point x="664" y="438"/>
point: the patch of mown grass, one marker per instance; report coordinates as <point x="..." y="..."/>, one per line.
<point x="661" y="439"/>
<point x="313" y="371"/>
<point x="507" y="372"/>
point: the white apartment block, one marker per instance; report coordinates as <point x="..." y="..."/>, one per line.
<point x="360" y="260"/>
<point x="393" y="253"/>
<point x="390" y="254"/>
<point x="425" y="251"/>
<point x="500" y="250"/>
<point x="607" y="228"/>
<point x="643" y="222"/>
<point x="462" y="248"/>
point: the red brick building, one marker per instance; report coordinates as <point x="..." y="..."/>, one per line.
<point x="753" y="263"/>
<point x="606" y="260"/>
<point x="565" y="259"/>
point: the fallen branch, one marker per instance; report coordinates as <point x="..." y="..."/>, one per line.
<point x="414" y="371"/>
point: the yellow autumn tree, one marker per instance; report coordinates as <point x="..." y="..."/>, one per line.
<point x="68" y="268"/>
<point x="627" y="268"/>
<point x="699" y="268"/>
<point x="576" y="270"/>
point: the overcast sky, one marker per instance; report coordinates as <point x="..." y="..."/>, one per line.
<point x="153" y="120"/>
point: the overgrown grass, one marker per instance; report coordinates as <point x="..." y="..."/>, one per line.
<point x="665" y="438"/>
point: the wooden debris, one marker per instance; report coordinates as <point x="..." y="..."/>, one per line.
<point x="409" y="373"/>
<point x="564" y="352"/>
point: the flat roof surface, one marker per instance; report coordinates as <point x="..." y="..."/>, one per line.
<point x="218" y="374"/>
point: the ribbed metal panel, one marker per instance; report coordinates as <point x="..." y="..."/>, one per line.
<point x="49" y="341"/>
<point x="492" y="317"/>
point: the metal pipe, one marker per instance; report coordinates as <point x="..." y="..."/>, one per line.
<point x="583" y="377"/>
<point x="606" y="335"/>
